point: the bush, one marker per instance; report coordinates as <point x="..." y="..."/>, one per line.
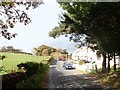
<point x="29" y="67"/>
<point x="10" y="80"/>
<point x="2" y="57"/>
<point x="32" y="78"/>
<point x="81" y="62"/>
<point x="36" y="80"/>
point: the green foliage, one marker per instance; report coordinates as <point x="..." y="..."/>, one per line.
<point x="46" y="52"/>
<point x="94" y="20"/>
<point x="94" y="24"/>
<point x="57" y="31"/>
<point x="81" y="62"/>
<point x="34" y="71"/>
<point x="43" y="50"/>
<point x="64" y="51"/>
<point x="3" y="70"/>
<point x="12" y="60"/>
<point x="11" y="13"/>
<point x="36" y="80"/>
<point x="20" y="80"/>
<point x="117" y="69"/>
<point x="111" y="78"/>
<point x="93" y="71"/>
<point x="13" y="50"/>
<point x="2" y="57"/>
<point x="30" y="67"/>
<point x="10" y="80"/>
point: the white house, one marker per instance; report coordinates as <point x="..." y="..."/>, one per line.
<point x="87" y="54"/>
<point x="84" y="53"/>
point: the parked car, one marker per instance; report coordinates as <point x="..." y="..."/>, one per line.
<point x="62" y="59"/>
<point x="68" y="65"/>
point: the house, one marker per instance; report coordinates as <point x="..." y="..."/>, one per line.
<point x="86" y="54"/>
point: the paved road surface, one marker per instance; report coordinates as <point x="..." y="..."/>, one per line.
<point x="72" y="79"/>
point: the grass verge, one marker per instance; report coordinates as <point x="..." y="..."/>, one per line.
<point x="112" y="79"/>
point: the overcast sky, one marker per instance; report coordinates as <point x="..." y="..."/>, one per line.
<point x="44" y="19"/>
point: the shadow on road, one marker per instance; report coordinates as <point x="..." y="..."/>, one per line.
<point x="70" y="80"/>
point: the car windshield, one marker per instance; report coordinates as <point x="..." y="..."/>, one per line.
<point x="69" y="63"/>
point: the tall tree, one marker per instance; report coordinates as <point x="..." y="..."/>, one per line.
<point x="91" y="23"/>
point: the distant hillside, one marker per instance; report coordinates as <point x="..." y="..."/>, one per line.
<point x="13" y="50"/>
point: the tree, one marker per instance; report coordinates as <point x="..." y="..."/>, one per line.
<point x="44" y="50"/>
<point x="3" y="49"/>
<point x="92" y="23"/>
<point x="10" y="48"/>
<point x="11" y="14"/>
<point x="64" y="51"/>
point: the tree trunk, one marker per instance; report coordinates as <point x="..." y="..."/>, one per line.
<point x="114" y="62"/>
<point x="96" y="69"/>
<point x="108" y="62"/>
<point x="119" y="62"/>
<point x="104" y="63"/>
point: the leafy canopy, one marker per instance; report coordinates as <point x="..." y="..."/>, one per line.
<point x="10" y="14"/>
<point x="94" y="24"/>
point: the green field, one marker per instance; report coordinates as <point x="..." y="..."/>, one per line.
<point x="12" y="59"/>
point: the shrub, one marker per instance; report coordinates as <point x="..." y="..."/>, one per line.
<point x="36" y="80"/>
<point x="81" y="62"/>
<point x="2" y="57"/>
<point x="30" y="67"/>
<point x="10" y="80"/>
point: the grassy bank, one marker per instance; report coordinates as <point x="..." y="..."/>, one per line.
<point x="38" y="79"/>
<point x="112" y="78"/>
<point x="11" y="61"/>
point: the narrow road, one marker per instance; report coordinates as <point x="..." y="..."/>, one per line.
<point x="72" y="79"/>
